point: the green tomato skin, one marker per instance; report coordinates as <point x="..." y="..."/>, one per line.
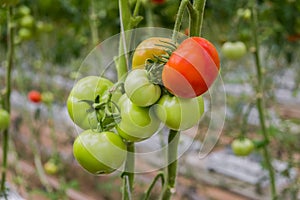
<point x="178" y="113"/>
<point x="234" y="50"/>
<point x="4" y="119"/>
<point x="88" y="88"/>
<point x="242" y="147"/>
<point x="137" y="123"/>
<point x="140" y="90"/>
<point x="99" y="153"/>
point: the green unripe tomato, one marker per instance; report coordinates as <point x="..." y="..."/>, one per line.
<point x="88" y="88"/>
<point x="178" y="113"/>
<point x="25" y="34"/>
<point x="137" y="123"/>
<point x="234" y="50"/>
<point x="244" y="13"/>
<point x="47" y="97"/>
<point x="242" y="147"/>
<point x="99" y="153"/>
<point x="4" y="119"/>
<point x="24" y="10"/>
<point x="140" y="90"/>
<point x="27" y="21"/>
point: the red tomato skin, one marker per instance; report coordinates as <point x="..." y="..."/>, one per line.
<point x="192" y="68"/>
<point x="210" y="49"/>
<point x="35" y="96"/>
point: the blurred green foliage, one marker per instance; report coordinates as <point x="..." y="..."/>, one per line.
<point x="224" y="20"/>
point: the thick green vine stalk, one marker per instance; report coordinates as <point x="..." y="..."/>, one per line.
<point x="128" y="175"/>
<point x="173" y="142"/>
<point x="196" y="12"/>
<point x="6" y="102"/>
<point x="260" y="104"/>
<point x="94" y="23"/>
<point x="196" y="17"/>
<point x="128" y="21"/>
<point x="178" y="21"/>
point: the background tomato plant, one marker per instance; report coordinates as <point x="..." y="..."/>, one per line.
<point x="53" y="46"/>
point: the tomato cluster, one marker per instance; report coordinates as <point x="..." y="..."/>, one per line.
<point x="165" y="86"/>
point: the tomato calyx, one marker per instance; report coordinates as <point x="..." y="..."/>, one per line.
<point x="107" y="112"/>
<point x="155" y="66"/>
<point x="154" y="71"/>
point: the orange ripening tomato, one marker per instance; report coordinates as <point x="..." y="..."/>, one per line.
<point x="148" y="49"/>
<point x="192" y="68"/>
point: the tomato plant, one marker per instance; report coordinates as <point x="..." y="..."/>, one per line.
<point x="137" y="123"/>
<point x="192" y="68"/>
<point x="34" y="96"/>
<point x="23" y="10"/>
<point x="83" y="95"/>
<point x="148" y="49"/>
<point x="242" y="147"/>
<point x="99" y="153"/>
<point x="4" y="119"/>
<point x="140" y="90"/>
<point x="178" y="113"/>
<point x="234" y="50"/>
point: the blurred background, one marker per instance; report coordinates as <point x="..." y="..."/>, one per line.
<point x="52" y="38"/>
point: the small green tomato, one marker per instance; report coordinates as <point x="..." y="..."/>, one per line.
<point x="99" y="153"/>
<point x="140" y="90"/>
<point x="242" y="147"/>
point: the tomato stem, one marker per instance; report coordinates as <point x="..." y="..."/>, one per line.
<point x="196" y="17"/>
<point x="259" y="100"/>
<point x="200" y="6"/>
<point x="6" y="102"/>
<point x="171" y="173"/>
<point x="179" y="17"/>
<point x="160" y="176"/>
<point x="127" y="21"/>
<point x="245" y="120"/>
<point x="94" y="23"/>
<point x="128" y="174"/>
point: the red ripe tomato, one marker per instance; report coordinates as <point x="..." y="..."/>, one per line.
<point x="192" y="68"/>
<point x="34" y="96"/>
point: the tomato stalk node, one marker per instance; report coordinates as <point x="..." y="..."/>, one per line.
<point x="107" y="113"/>
<point x="155" y="66"/>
